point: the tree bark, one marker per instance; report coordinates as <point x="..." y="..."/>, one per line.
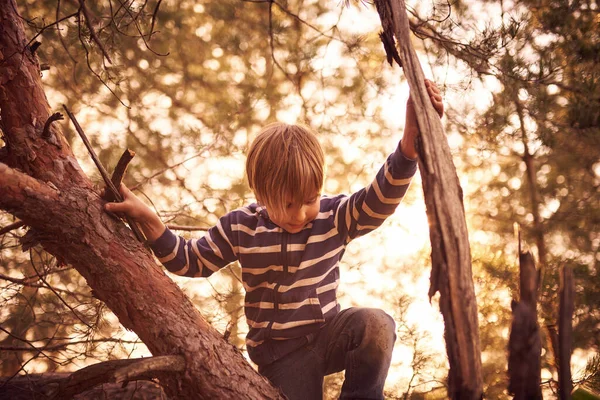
<point x="40" y="386"/>
<point x="451" y="273"/>
<point x="565" y="332"/>
<point x="42" y="184"/>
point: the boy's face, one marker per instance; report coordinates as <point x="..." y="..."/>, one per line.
<point x="297" y="216"/>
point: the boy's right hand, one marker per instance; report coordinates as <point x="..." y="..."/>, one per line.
<point x="131" y="205"/>
<point x="139" y="212"/>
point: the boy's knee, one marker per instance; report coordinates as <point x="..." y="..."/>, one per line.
<point x="379" y="327"/>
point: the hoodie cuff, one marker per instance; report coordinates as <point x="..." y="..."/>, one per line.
<point x="165" y="244"/>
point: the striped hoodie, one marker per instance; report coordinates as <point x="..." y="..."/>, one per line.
<point x="290" y="279"/>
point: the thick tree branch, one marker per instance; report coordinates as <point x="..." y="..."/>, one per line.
<point x="147" y="368"/>
<point x="116" y="371"/>
<point x="72" y="225"/>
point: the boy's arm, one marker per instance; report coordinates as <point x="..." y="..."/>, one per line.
<point x="193" y="258"/>
<point x="368" y="208"/>
<point x="197" y="257"/>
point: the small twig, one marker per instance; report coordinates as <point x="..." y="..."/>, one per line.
<point x="54" y="117"/>
<point x="107" y="181"/>
<point x="169" y="167"/>
<point x="88" y="22"/>
<point x="13" y="226"/>
<point x="154" y="14"/>
<point x="90" y="149"/>
<point x="62" y="346"/>
<point x="119" y="172"/>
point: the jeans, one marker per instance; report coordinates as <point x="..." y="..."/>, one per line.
<point x="357" y="340"/>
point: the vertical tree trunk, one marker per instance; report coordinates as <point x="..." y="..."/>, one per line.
<point x="565" y="332"/>
<point x="42" y="183"/>
<point x="451" y="273"/>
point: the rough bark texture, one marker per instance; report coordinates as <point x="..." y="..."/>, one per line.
<point x="451" y="273"/>
<point x="42" y="184"/>
<point x="40" y="386"/>
<point x="524" y="343"/>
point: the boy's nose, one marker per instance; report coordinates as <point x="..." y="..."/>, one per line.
<point x="299" y="214"/>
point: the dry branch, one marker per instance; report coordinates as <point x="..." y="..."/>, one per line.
<point x="27" y="387"/>
<point x="451" y="273"/>
<point x="54" y="117"/>
<point x="119" y="173"/>
<point x="121" y="168"/>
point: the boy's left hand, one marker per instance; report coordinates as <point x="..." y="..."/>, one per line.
<point x="411" y="128"/>
<point x="435" y="96"/>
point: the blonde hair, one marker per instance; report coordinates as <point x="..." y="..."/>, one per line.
<point x="285" y="161"/>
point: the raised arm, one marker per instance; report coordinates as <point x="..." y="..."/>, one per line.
<point x="368" y="208"/>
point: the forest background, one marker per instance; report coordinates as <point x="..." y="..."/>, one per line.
<point x="521" y="83"/>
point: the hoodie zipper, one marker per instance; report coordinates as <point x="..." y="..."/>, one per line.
<point x="284" y="245"/>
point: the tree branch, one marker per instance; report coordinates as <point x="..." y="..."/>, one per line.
<point x="16" y="188"/>
<point x="13" y="226"/>
<point x="88" y="21"/>
<point x="111" y="371"/>
<point x="188" y="228"/>
<point x="119" y="173"/>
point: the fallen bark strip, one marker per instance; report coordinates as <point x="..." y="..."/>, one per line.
<point x="451" y="273"/>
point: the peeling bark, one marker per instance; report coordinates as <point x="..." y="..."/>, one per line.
<point x="451" y="273"/>
<point x="42" y="184"/>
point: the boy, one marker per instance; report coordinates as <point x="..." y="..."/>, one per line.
<point x="289" y="245"/>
